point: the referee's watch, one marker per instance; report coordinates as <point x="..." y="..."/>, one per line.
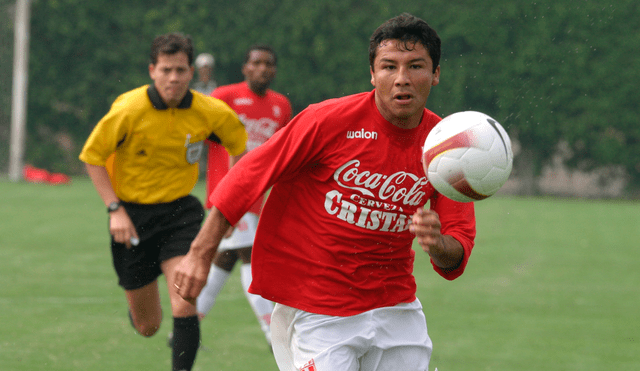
<point x="113" y="206"/>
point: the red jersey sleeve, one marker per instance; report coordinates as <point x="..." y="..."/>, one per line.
<point x="458" y="220"/>
<point x="285" y="153"/>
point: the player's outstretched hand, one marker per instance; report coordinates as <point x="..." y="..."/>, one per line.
<point x="445" y="251"/>
<point x="425" y="224"/>
<point x="192" y="271"/>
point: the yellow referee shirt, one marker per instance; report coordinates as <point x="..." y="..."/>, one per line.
<point x="157" y="148"/>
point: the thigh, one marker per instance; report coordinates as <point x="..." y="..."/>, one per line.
<point x="180" y="227"/>
<point x="401" y="342"/>
<point x="406" y="358"/>
<point x="144" y="305"/>
<point x="137" y="266"/>
<point x="245" y="255"/>
<point x="330" y="342"/>
<point x="295" y="346"/>
<point x="226" y="259"/>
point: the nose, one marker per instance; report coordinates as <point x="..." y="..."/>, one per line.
<point x="402" y="77"/>
<point x="174" y="75"/>
<point x="262" y="68"/>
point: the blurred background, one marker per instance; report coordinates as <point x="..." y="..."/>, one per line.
<point x="559" y="75"/>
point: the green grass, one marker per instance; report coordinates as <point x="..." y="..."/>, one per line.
<point x="552" y="284"/>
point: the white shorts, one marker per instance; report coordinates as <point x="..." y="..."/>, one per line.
<point x="243" y="234"/>
<point x="383" y="339"/>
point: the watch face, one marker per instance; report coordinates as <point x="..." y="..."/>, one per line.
<point x="113" y="206"/>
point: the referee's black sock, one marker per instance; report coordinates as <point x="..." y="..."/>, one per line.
<point x="186" y="341"/>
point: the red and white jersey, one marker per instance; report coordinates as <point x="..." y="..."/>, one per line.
<point x="262" y="116"/>
<point x="333" y="237"/>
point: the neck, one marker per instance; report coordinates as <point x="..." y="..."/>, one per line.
<point x="258" y="89"/>
<point x="410" y="122"/>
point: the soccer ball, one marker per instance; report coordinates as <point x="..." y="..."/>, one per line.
<point x="467" y="156"/>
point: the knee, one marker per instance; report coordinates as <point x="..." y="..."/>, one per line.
<point x="226" y="259"/>
<point x="147" y="330"/>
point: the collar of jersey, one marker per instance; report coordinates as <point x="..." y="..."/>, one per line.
<point x="159" y="104"/>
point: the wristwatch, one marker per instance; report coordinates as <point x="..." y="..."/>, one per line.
<point x="113" y="206"/>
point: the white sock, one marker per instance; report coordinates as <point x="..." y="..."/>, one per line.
<point x="261" y="306"/>
<point x="215" y="282"/>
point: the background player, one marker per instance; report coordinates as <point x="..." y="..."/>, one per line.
<point x="263" y="112"/>
<point x="206" y="83"/>
<point x="333" y="247"/>
<point x="143" y="160"/>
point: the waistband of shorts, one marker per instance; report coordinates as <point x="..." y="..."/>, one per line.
<point x="182" y="200"/>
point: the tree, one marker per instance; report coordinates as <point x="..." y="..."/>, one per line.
<point x="550" y="71"/>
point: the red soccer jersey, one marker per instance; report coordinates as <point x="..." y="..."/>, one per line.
<point x="261" y="116"/>
<point x="334" y="235"/>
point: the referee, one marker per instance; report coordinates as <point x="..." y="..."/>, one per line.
<point x="142" y="157"/>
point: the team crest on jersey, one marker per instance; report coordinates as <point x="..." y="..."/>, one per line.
<point x="194" y="150"/>
<point x="310" y="366"/>
<point x="276" y="111"/>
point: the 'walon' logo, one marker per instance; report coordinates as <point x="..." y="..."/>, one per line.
<point x="362" y="134"/>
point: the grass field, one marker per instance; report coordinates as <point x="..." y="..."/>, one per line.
<point x="553" y="284"/>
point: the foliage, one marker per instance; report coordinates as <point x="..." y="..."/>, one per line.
<point x="550" y="71"/>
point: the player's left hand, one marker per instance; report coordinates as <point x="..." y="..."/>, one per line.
<point x="425" y="224"/>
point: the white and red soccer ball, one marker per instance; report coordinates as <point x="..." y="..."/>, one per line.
<point x="467" y="156"/>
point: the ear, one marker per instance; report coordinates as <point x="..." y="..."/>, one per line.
<point x="436" y="77"/>
<point x="152" y="68"/>
<point x="373" y="78"/>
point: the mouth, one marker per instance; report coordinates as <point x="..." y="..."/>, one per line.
<point x="402" y="97"/>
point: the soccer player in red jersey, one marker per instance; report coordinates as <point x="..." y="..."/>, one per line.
<point x="349" y="195"/>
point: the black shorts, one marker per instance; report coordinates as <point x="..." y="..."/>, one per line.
<point x="165" y="230"/>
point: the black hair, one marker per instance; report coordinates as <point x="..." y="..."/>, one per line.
<point x="409" y="30"/>
<point x="262" y="47"/>
<point x="170" y="44"/>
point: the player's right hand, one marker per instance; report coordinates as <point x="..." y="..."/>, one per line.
<point x="190" y="277"/>
<point x="121" y="227"/>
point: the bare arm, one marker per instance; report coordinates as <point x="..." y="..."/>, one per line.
<point x="120" y="225"/>
<point x="234" y="159"/>
<point x="101" y="181"/>
<point x="192" y="271"/>
<point x="445" y="251"/>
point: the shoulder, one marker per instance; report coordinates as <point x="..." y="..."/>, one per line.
<point x="133" y="99"/>
<point x="347" y="105"/>
<point x="209" y="104"/>
<point x="335" y="115"/>
<point x="221" y="92"/>
<point x="431" y="116"/>
<point x="429" y="120"/>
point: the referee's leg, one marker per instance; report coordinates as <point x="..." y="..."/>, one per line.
<point x="145" y="308"/>
<point x="186" y="325"/>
